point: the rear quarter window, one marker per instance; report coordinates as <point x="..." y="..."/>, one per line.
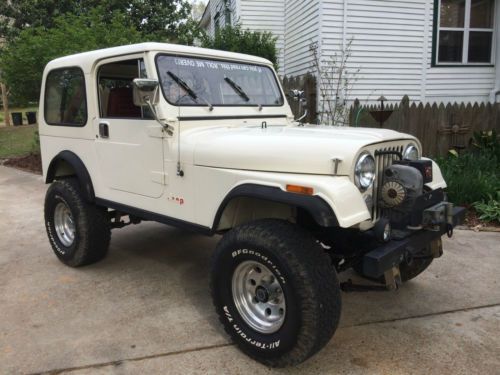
<point x="65" y="98"/>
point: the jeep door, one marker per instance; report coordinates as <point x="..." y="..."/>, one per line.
<point x="128" y="139"/>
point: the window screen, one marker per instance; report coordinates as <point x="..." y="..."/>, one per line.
<point x="65" y="99"/>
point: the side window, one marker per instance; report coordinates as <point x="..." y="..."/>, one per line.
<point x="116" y="98"/>
<point x="65" y="100"/>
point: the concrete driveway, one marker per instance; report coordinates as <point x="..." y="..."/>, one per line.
<point x="146" y="308"/>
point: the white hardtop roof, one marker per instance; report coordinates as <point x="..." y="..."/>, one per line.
<point x="86" y="60"/>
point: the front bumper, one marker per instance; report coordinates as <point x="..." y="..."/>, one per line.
<point x="377" y="261"/>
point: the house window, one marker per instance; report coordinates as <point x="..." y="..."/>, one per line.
<point x="464" y="32"/>
<point x="217" y="21"/>
<point x="227" y="14"/>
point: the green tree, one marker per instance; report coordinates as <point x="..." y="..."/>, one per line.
<point x="23" y="59"/>
<point x="159" y="19"/>
<point x="234" y="39"/>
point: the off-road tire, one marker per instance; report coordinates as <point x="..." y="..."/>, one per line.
<point x="92" y="226"/>
<point x="408" y="271"/>
<point x="309" y="283"/>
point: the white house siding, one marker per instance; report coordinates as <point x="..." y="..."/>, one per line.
<point x="387" y="45"/>
<point x="215" y="6"/>
<point x="392" y="47"/>
<point x="459" y="84"/>
<point x="302" y="25"/>
<point x="265" y="15"/>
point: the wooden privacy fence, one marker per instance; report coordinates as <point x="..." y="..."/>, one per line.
<point x="307" y="83"/>
<point x="438" y="127"/>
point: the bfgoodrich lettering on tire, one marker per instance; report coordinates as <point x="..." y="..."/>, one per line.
<point x="79" y="232"/>
<point x="275" y="292"/>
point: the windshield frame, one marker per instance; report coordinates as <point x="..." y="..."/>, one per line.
<point x="201" y="105"/>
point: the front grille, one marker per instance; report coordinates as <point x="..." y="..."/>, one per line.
<point x="381" y="162"/>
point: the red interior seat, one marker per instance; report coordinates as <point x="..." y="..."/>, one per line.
<point x="121" y="103"/>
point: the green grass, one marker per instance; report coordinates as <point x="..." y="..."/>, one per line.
<point x="23" y="110"/>
<point x="17" y="140"/>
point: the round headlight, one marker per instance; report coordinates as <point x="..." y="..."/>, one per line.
<point x="411" y="153"/>
<point x="364" y="172"/>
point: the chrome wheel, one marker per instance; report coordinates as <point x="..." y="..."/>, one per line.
<point x="64" y="224"/>
<point x="259" y="297"/>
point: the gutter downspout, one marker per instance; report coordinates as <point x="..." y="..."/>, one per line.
<point x="425" y="54"/>
<point x="496" y="91"/>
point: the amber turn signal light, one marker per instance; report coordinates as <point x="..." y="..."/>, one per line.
<point x="300" y="189"/>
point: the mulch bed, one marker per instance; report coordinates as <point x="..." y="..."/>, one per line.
<point x="31" y="163"/>
<point x="472" y="222"/>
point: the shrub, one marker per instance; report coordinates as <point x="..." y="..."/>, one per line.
<point x="471" y="177"/>
<point x="22" y="61"/>
<point x="234" y="39"/>
<point x="489" y="210"/>
<point x="486" y="141"/>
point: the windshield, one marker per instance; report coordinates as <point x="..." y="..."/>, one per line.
<point x="188" y="81"/>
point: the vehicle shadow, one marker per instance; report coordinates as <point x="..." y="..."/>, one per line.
<point x="170" y="258"/>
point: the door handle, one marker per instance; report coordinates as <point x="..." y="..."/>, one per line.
<point x="104" y="130"/>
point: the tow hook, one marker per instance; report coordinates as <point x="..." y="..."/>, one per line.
<point x="438" y="215"/>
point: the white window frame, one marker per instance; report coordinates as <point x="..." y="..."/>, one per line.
<point x="466" y="30"/>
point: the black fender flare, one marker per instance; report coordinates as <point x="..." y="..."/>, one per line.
<point x="319" y="210"/>
<point x="80" y="170"/>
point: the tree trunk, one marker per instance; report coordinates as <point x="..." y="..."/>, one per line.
<point x="5" y="102"/>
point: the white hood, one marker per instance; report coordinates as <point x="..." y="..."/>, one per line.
<point x="289" y="149"/>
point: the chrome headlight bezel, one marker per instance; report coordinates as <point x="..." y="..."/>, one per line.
<point x="411" y="152"/>
<point x="364" y="171"/>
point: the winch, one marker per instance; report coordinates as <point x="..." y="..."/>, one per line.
<point x="401" y="185"/>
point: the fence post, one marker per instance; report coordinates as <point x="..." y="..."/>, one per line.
<point x="405" y="114"/>
<point x="353" y="117"/>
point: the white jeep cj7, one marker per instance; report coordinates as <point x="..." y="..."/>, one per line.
<point x="205" y="140"/>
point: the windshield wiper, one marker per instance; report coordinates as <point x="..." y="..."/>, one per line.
<point x="188" y="89"/>
<point x="183" y="84"/>
<point x="237" y="88"/>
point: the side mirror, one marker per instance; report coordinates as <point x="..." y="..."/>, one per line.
<point x="297" y="95"/>
<point x="146" y="92"/>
